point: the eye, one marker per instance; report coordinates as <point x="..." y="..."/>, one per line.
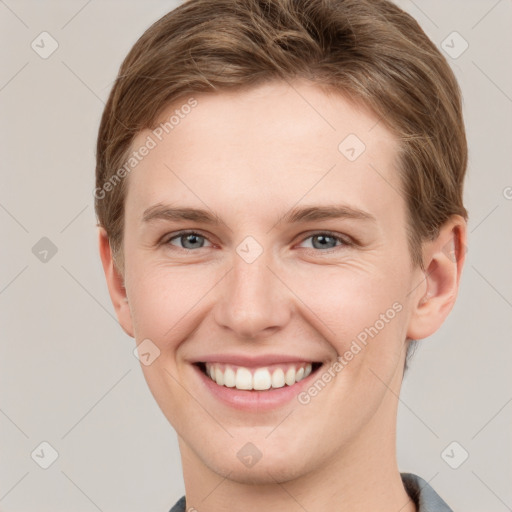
<point x="325" y="240"/>
<point x="189" y="240"/>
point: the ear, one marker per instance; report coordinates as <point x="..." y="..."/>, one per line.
<point x="115" y="283"/>
<point x="443" y="261"/>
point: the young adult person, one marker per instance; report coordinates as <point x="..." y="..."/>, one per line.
<point x="279" y="199"/>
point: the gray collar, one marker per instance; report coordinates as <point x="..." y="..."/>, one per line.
<point x="422" y="494"/>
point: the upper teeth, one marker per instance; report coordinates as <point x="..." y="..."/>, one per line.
<point x="257" y="378"/>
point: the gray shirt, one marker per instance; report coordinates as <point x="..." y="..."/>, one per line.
<point x="420" y="492"/>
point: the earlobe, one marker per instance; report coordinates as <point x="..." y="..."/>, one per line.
<point x="444" y="259"/>
<point x="115" y="283"/>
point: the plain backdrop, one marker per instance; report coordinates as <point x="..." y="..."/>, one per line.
<point x="68" y="376"/>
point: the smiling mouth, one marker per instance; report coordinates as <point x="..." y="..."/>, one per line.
<point x="258" y="379"/>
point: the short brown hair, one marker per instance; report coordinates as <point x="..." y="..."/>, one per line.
<point x="368" y="50"/>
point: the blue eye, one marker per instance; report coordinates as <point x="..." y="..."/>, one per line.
<point x="189" y="240"/>
<point x="324" y="241"/>
<point x="321" y="241"/>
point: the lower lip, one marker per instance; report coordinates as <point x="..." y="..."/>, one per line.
<point x="253" y="400"/>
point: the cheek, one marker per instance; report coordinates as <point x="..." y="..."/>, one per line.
<point x="360" y="311"/>
<point x="346" y="297"/>
<point x="164" y="299"/>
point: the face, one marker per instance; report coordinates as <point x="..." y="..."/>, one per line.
<point x="265" y="245"/>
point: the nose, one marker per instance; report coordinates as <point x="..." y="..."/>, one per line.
<point x="254" y="302"/>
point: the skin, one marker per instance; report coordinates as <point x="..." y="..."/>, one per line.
<point x="250" y="157"/>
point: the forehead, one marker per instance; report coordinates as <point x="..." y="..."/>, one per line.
<point x="280" y="143"/>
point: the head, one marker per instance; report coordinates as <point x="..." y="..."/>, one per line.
<point x="254" y="111"/>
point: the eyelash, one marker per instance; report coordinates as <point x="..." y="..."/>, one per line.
<point x="344" y="241"/>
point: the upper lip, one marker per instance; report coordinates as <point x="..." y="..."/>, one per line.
<point x="253" y="361"/>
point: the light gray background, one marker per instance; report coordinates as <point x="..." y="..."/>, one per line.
<point x="67" y="372"/>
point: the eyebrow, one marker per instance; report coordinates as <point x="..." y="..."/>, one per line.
<point x="293" y="216"/>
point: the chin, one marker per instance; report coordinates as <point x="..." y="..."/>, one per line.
<point x="269" y="469"/>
